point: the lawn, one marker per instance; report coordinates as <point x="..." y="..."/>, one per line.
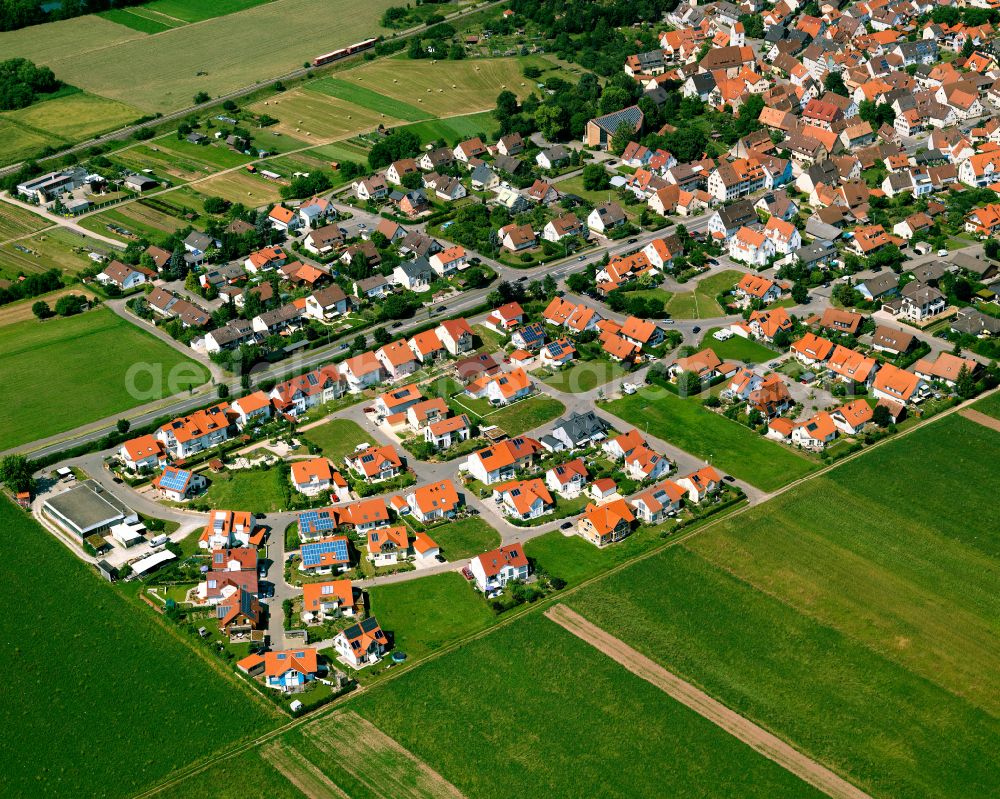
<point x="366" y="98"/>
<point x="465" y="538"/>
<point x="574" y="185"/>
<point x="115" y="61"/>
<point x="113" y="655"/>
<point x="338" y="438"/>
<point x="489" y="340"/>
<point x="216" y="155"/>
<point x="86" y="361"/>
<point x="701" y="303"/>
<point x="530" y="710"/>
<point x="576" y="560"/>
<point x="17" y="221"/>
<point x="256" y="490"/>
<point x="585" y="376"/>
<point x="727" y="444"/>
<point x="737" y="348"/>
<point x="850" y="618"/>
<point x="425" y="614"/>
<point x="525" y="415"/>
<point x="57" y="248"/>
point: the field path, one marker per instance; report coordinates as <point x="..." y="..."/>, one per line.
<point x="378" y="762"/>
<point x="736" y="725"/>
<point x="293" y="765"/>
<point x="980" y="418"/>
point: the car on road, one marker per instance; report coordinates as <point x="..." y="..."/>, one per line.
<point x="565" y="525"/>
<point x="696" y="329"/>
<point x="362" y="225"/>
<point x="633" y="241"/>
<point x="475" y="261"/>
<point x="441" y="309"/>
<point x="522" y="278"/>
<point x="729" y="478"/>
<point x="582" y="258"/>
<point x="713" y="261"/>
<point x="344" y="346"/>
<point x="396" y="325"/>
<point x="942" y="253"/>
<point x="667" y="321"/>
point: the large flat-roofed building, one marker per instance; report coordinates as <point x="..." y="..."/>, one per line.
<point x="87" y="509"/>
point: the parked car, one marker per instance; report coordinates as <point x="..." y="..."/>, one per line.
<point x="565" y="525"/>
<point x="729" y="478"/>
<point x="633" y="241"/>
<point x="696" y="329"/>
<point x="942" y="253"/>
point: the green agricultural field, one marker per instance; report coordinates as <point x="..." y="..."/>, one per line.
<point x="137" y="19"/>
<point x="426" y="613"/>
<point x="17" y="221"/>
<point x="341" y="151"/>
<point x="233" y="778"/>
<point x="524" y="415"/>
<point x="257" y="490"/>
<point x="737" y="348"/>
<point x="215" y="155"/>
<point x="73" y="117"/>
<point x="366" y="98"/>
<point x="57" y="248"/>
<point x="165" y="14"/>
<point x="585" y="376"/>
<point x="849" y="617"/>
<point x="454" y="129"/>
<point x="338" y="438"/>
<point x="62" y="709"/>
<point x="465" y="538"/>
<point x="567" y="736"/>
<point x="727" y="444"/>
<point x="162" y="162"/>
<point x="990" y="405"/>
<point x="86" y="360"/>
<point x="137" y="218"/>
<point x="17" y="143"/>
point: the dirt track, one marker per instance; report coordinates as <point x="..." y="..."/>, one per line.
<point x="736" y="725"/>
<point x="980" y="418"/>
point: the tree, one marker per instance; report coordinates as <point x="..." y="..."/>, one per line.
<point x="359" y="343"/>
<point x="881" y="416"/>
<point x="123" y="426"/>
<point x="15" y="473"/>
<point x="215" y="205"/>
<point x="222" y="391"/>
<point x="965" y="385"/>
<point x="991" y="248"/>
<point x="800" y="294"/>
<point x="595" y="177"/>
<point x="70" y="305"/>
<point x="834" y="82"/>
<point x="381" y="336"/>
<point x="201" y="97"/>
<point x="549" y="286"/>
<point x="614" y="99"/>
<point x="41" y="309"/>
<point x="413" y="180"/>
<point x="621" y="138"/>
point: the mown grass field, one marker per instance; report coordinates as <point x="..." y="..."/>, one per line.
<point x="856" y="616"/>
<point x="338" y="438"/>
<point x="62" y="373"/>
<point x="446" y="88"/>
<point x="366" y="98"/>
<point x="57" y="248"/>
<point x="214" y="154"/>
<point x="701" y="303"/>
<point x="240" y="186"/>
<point x="73" y="117"/>
<point x="737" y="348"/>
<point x="17" y="221"/>
<point x="115" y="61"/>
<point x="465" y="538"/>
<point x="314" y="116"/>
<point x="990" y="405"/>
<point x="17" y="143"/>
<point x="425" y="614"/>
<point x="727" y="444"/>
<point x="100" y="671"/>
<point x="530" y="710"/>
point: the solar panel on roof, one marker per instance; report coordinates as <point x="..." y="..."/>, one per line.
<point x="312" y="554"/>
<point x="312" y="379"/>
